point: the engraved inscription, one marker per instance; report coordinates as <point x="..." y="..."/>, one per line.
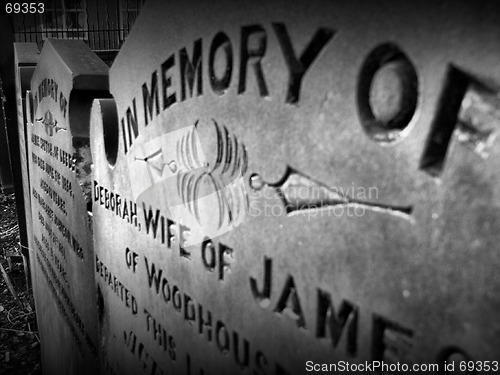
<point x="186" y="82"/>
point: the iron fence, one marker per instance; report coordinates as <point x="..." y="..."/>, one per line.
<point x="104" y="26"/>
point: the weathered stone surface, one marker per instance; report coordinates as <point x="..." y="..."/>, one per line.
<point x="280" y="182"/>
<point x="66" y="79"/>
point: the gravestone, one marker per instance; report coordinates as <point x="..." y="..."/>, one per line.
<point x="280" y="186"/>
<point x="67" y="78"/>
<point x="25" y="57"/>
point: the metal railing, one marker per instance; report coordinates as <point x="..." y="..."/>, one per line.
<point x="104" y="26"/>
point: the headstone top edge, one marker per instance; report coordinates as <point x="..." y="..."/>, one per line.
<point x="26" y="53"/>
<point x="77" y="57"/>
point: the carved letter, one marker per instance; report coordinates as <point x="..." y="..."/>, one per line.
<point x="150" y="97"/>
<point x="191" y="69"/>
<point x="263" y="297"/>
<point x="348" y="314"/>
<point x="298" y="67"/>
<point x="219" y="85"/>
<point x="289" y="303"/>
<point x="257" y="54"/>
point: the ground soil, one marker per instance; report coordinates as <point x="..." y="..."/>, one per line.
<point x="19" y="341"/>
